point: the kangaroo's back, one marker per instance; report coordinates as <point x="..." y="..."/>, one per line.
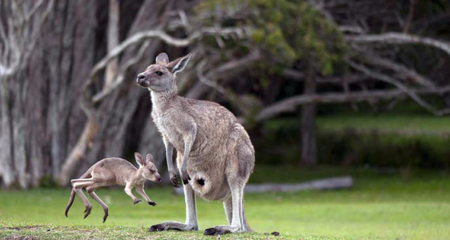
<point x="214" y="122"/>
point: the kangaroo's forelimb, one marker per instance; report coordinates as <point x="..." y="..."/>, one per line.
<point x="141" y="191"/>
<point x="187" y="149"/>
<point x="174" y="179"/>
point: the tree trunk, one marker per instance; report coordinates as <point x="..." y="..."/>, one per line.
<point x="7" y="169"/>
<point x="308" y="128"/>
<point x="37" y="114"/>
<point x="113" y="40"/>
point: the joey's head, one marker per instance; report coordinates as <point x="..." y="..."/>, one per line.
<point x="147" y="167"/>
<point x="160" y="77"/>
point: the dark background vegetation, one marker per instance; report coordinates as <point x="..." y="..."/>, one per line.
<point x="345" y="83"/>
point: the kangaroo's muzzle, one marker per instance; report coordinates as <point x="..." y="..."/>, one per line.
<point x="141" y="81"/>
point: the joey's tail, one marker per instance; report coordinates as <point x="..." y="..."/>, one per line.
<point x="73" y="193"/>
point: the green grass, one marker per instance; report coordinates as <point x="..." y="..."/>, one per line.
<point x="380" y="206"/>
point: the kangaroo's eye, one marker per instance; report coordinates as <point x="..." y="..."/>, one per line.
<point x="159" y="73"/>
<point x="152" y="171"/>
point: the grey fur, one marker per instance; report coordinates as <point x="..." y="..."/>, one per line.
<point x="112" y="171"/>
<point x="214" y="152"/>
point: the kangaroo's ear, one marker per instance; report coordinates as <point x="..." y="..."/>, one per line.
<point x="162" y="58"/>
<point x="149" y="158"/>
<point x="179" y="64"/>
<point x="139" y="159"/>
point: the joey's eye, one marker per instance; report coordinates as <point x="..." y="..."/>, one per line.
<point x="159" y="73"/>
<point x="152" y="171"/>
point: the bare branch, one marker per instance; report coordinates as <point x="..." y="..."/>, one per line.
<point x="206" y="81"/>
<point x="300" y="76"/>
<point x="292" y="103"/>
<point x="120" y="79"/>
<point x="352" y="29"/>
<point x="176" y="42"/>
<point x="225" y="71"/>
<point x="293" y="74"/>
<point x="399" y="38"/>
<point x="400" y="86"/>
<point x="402" y="71"/>
<point x="21" y="36"/>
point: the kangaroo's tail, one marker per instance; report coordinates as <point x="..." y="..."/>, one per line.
<point x="73" y="193"/>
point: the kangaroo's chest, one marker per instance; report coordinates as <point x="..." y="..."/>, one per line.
<point x="167" y="127"/>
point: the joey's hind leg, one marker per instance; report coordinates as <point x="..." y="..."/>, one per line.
<point x="78" y="189"/>
<point x="191" y="215"/>
<point x="94" y="196"/>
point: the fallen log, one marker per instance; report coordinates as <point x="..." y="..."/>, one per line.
<point x="334" y="183"/>
<point x="322" y="184"/>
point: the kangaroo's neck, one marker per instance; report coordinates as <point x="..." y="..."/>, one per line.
<point x="138" y="177"/>
<point x="162" y="100"/>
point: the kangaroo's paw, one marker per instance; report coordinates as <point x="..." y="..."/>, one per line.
<point x="152" y="203"/>
<point x="175" y="180"/>
<point x="177" y="226"/>
<point x="185" y="177"/>
<point x="137" y="201"/>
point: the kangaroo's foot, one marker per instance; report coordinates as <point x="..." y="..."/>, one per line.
<point x="177" y="226"/>
<point x="105" y="216"/>
<point x="87" y="211"/>
<point x="221" y="230"/>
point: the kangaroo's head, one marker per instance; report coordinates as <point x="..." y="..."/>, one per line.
<point x="147" y="167"/>
<point x="160" y="77"/>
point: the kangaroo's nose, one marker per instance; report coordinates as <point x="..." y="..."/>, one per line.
<point x="140" y="78"/>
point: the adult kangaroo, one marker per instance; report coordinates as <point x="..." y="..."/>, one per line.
<point x="215" y="156"/>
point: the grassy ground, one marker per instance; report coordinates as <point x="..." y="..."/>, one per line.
<point x="386" y="206"/>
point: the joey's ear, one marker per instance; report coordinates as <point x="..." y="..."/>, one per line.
<point x="149" y="158"/>
<point x="139" y="159"/>
<point x="162" y="58"/>
<point x="178" y="64"/>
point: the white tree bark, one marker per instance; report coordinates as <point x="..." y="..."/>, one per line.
<point x="113" y="41"/>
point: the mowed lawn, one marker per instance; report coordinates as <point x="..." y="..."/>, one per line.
<point x="379" y="206"/>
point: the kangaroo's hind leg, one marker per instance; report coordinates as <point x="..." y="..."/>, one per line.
<point x="227" y="205"/>
<point x="94" y="196"/>
<point x="238" y="171"/>
<point x="78" y="189"/>
<point x="191" y="223"/>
